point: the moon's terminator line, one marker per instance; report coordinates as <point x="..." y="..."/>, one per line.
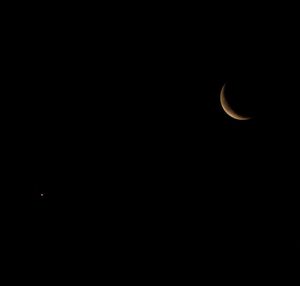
<point x="228" y="109"/>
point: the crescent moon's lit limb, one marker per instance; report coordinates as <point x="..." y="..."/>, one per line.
<point x="227" y="108"/>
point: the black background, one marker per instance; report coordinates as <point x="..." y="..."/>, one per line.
<point x="115" y="118"/>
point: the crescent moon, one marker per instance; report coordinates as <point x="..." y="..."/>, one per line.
<point x="228" y="109"/>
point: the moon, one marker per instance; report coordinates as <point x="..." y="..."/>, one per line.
<point x="228" y="109"/>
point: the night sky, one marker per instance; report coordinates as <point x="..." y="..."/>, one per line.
<point x="120" y="123"/>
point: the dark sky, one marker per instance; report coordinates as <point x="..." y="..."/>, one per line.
<point x="120" y="122"/>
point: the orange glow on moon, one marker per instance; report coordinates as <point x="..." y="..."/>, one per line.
<point x="227" y="108"/>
